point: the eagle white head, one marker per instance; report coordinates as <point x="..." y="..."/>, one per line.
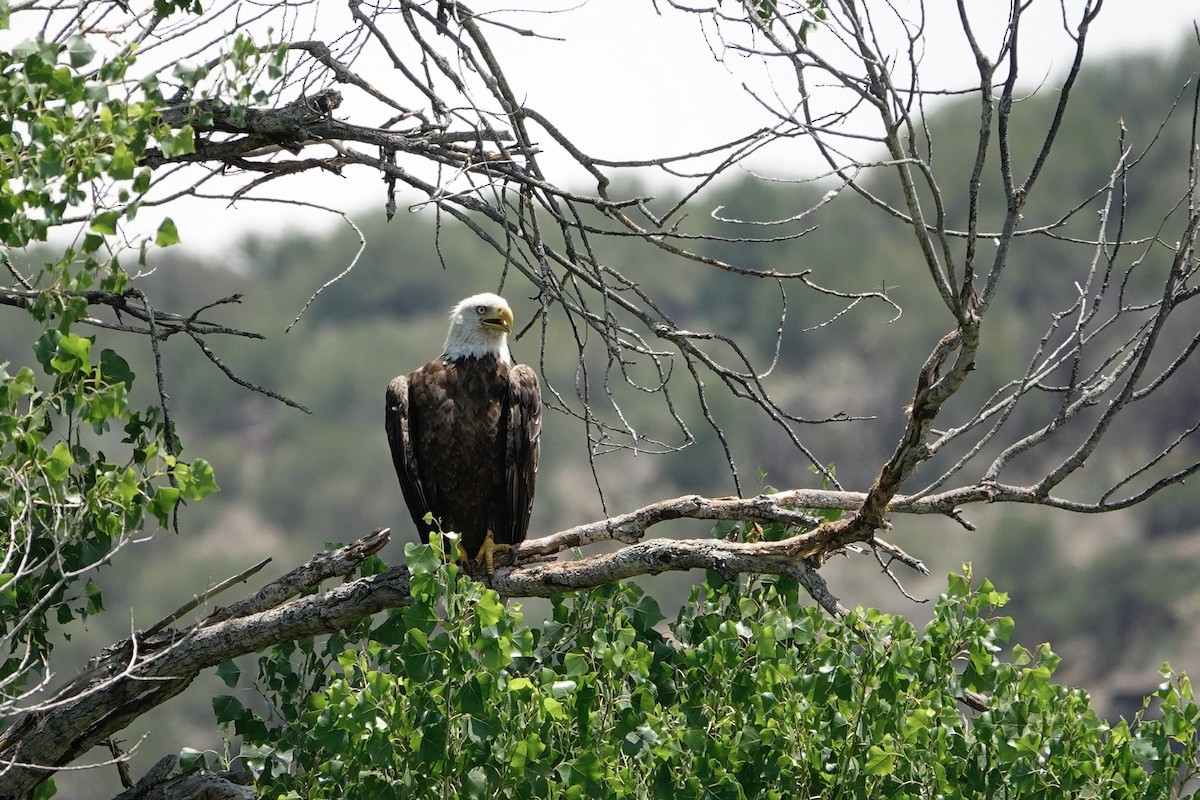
<point x="479" y="326"/>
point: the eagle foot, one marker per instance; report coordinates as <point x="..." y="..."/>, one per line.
<point x="487" y="553"/>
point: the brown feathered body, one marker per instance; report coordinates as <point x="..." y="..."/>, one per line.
<point x="464" y="436"/>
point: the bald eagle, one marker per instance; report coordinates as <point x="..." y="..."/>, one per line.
<point x="464" y="432"/>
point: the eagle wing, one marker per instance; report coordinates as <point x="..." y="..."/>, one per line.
<point x="399" y="424"/>
<point x="524" y="431"/>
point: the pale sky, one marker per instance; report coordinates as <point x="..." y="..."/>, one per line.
<point x="654" y="69"/>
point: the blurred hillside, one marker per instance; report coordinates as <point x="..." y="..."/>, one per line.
<point x="1115" y="594"/>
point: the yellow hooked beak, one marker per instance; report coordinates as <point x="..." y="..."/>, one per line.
<point x="503" y="319"/>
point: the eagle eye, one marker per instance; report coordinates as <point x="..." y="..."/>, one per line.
<point x="481" y="310"/>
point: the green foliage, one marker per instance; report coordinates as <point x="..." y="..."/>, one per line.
<point x="63" y="128"/>
<point x="749" y="693"/>
<point x="81" y="471"/>
<point x="65" y="505"/>
<point x="74" y="133"/>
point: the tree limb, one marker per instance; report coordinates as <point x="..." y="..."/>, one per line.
<point x="143" y="671"/>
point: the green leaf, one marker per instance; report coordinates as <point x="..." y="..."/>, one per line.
<point x="420" y="558"/>
<point x="7" y="590"/>
<point x="163" y="503"/>
<point x="180" y="143"/>
<point x="167" y="234"/>
<point x="115" y="369"/>
<point x="196" y="480"/>
<point x="229" y="672"/>
<point x="646" y="614"/>
<point x="46" y="789"/>
<point x="73" y="354"/>
<point x="576" y="664"/>
<point x="141" y="182"/>
<point x="123" y="164"/>
<point x="723" y="528"/>
<point x="959" y="585"/>
<point x="106" y="222"/>
<point x="126" y="488"/>
<point x="475" y="784"/>
<point x="880" y="761"/>
<point x="227" y="709"/>
<point x="59" y="463"/>
<point x="22" y="384"/>
<point x="1030" y="744"/>
<point x="79" y="51"/>
<point x="553" y="708"/>
<point x="489" y="609"/>
<point x="91" y="243"/>
<point x="95" y="599"/>
<point x="45" y="347"/>
<point x="192" y="759"/>
<point x="204" y="479"/>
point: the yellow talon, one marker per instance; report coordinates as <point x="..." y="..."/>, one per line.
<point x="487" y="553"/>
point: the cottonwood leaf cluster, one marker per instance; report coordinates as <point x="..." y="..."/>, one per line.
<point x="747" y="692"/>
